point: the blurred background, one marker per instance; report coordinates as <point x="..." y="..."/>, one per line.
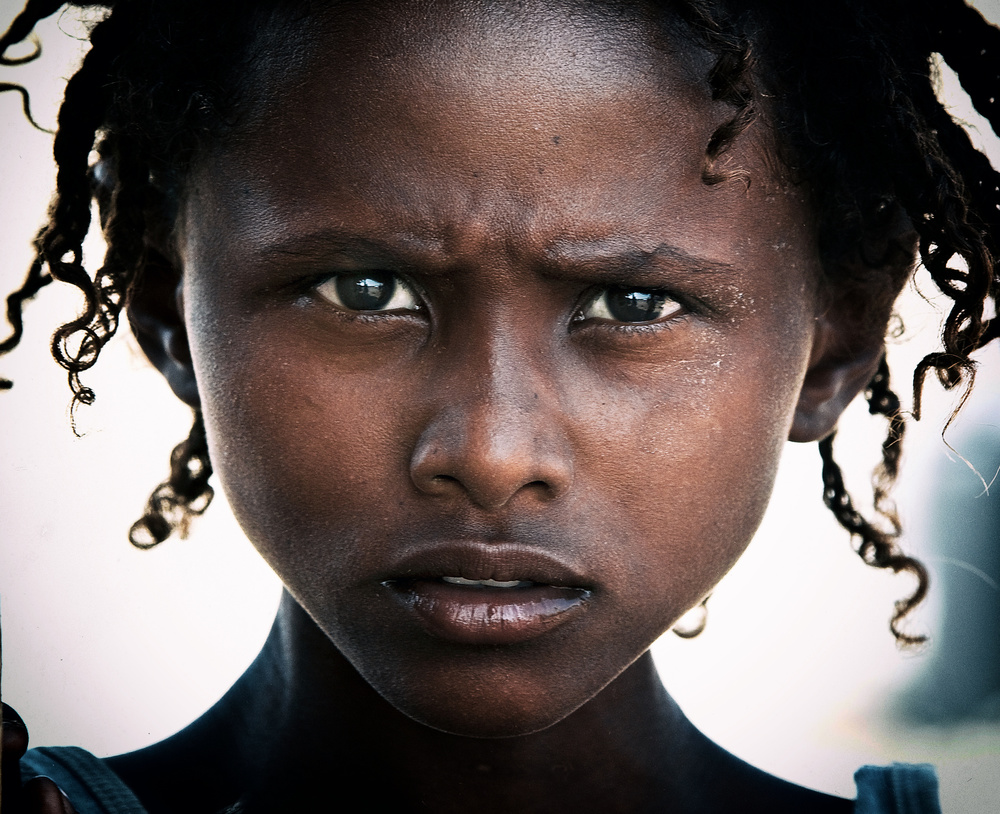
<point x="112" y="648"/>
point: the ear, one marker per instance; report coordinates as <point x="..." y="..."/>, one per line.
<point x="850" y="332"/>
<point x="840" y="366"/>
<point x="155" y="311"/>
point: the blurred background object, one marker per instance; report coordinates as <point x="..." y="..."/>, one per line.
<point x="960" y="517"/>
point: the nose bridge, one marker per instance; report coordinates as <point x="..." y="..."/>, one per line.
<point x="496" y="427"/>
<point x="506" y="409"/>
<point x="508" y="377"/>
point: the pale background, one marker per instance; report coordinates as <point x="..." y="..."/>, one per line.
<point x="112" y="648"/>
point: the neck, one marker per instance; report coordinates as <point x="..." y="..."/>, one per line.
<point x="302" y="724"/>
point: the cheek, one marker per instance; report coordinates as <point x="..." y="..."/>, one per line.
<point x="692" y="466"/>
<point x="310" y="456"/>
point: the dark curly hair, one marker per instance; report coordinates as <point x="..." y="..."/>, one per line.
<point x="846" y="86"/>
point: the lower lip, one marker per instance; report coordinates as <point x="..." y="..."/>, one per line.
<point x="474" y="615"/>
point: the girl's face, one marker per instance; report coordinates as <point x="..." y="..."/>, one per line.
<point x="461" y="307"/>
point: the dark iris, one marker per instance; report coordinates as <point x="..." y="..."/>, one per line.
<point x="368" y="291"/>
<point x="631" y="305"/>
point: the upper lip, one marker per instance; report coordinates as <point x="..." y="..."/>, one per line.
<point x="478" y="559"/>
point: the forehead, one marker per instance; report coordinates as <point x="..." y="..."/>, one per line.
<point x="366" y="65"/>
<point x="571" y="44"/>
<point x="527" y="114"/>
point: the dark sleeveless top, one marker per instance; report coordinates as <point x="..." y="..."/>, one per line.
<point x="93" y="788"/>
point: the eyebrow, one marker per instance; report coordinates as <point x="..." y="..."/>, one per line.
<point x="318" y="244"/>
<point x="628" y="256"/>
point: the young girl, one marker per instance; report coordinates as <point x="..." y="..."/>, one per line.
<point x="494" y="318"/>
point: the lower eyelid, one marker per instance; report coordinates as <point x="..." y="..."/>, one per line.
<point x="638" y="336"/>
<point x="663" y="323"/>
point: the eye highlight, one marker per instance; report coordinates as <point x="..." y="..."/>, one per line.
<point x="631" y="305"/>
<point x="369" y="291"/>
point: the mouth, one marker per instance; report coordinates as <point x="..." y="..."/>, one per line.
<point x="492" y="594"/>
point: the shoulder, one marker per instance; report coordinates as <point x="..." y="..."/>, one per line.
<point x="85" y="779"/>
<point x="901" y="788"/>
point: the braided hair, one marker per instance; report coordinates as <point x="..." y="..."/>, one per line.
<point x="145" y="96"/>
<point x="847" y="88"/>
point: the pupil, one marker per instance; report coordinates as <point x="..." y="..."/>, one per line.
<point x="629" y="305"/>
<point x="365" y="292"/>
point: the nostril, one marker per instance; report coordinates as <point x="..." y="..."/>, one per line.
<point x="544" y="489"/>
<point x="440" y="485"/>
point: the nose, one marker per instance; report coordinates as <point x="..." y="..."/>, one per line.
<point x="497" y="432"/>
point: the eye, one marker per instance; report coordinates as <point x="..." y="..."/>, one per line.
<point x="369" y="291"/>
<point x="630" y="305"/>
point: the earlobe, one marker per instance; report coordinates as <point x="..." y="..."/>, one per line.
<point x="838" y="370"/>
<point x="155" y="312"/>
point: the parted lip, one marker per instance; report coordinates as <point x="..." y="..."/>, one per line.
<point x="479" y="559"/>
<point x="550" y="591"/>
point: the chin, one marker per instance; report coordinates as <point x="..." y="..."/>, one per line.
<point x="477" y="703"/>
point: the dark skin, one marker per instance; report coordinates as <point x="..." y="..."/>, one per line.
<point x="522" y="185"/>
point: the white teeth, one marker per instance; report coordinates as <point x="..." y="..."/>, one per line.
<point x="486" y="583"/>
